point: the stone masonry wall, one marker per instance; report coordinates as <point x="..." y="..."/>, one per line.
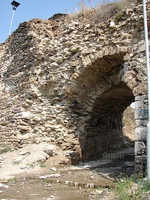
<point x="68" y="81"/>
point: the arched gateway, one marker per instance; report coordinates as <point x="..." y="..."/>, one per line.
<point x="104" y="88"/>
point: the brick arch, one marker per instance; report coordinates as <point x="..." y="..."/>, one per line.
<point x="92" y="70"/>
<point x="102" y="95"/>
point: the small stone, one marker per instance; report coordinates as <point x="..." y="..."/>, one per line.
<point x="37" y="119"/>
<point x="52" y="197"/>
<point x="50" y="152"/>
<point x="67" y="182"/>
<point x="53" y="169"/>
<point x="92" y="177"/>
<point x="129" y="164"/>
<point x="4" y="186"/>
<point x="2" y="158"/>
<point x="23" y="167"/>
<point x="24" y="115"/>
<point x="28" y="101"/>
<point x="23" y="153"/>
<point x="54" y="64"/>
<point x="23" y="123"/>
<point x="23" y="128"/>
<point x="74" y="49"/>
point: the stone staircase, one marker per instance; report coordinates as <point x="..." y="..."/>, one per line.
<point x="125" y="154"/>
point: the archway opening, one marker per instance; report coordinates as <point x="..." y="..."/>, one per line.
<point x="104" y="129"/>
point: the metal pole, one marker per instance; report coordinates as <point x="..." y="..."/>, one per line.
<point x="11" y="22"/>
<point x="148" y="84"/>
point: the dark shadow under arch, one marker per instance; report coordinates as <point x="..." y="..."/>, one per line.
<point x="103" y="132"/>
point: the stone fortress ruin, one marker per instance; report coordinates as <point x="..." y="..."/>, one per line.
<point x="68" y="81"/>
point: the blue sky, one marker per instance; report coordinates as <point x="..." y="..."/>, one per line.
<point x="33" y="9"/>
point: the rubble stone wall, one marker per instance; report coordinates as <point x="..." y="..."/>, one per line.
<point x="67" y="81"/>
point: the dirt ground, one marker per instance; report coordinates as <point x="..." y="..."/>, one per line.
<point x="88" y="181"/>
<point x="31" y="174"/>
<point x="34" y="189"/>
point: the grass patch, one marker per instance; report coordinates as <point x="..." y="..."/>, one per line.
<point x="146" y="186"/>
<point x="132" y="189"/>
<point x="37" y="163"/>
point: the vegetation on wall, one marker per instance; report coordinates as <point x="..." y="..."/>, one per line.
<point x="100" y="12"/>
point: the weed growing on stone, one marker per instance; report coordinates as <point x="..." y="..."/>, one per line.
<point x="5" y="149"/>
<point x="12" y="180"/>
<point x="41" y="164"/>
<point x="16" y="162"/>
<point x="31" y="165"/>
